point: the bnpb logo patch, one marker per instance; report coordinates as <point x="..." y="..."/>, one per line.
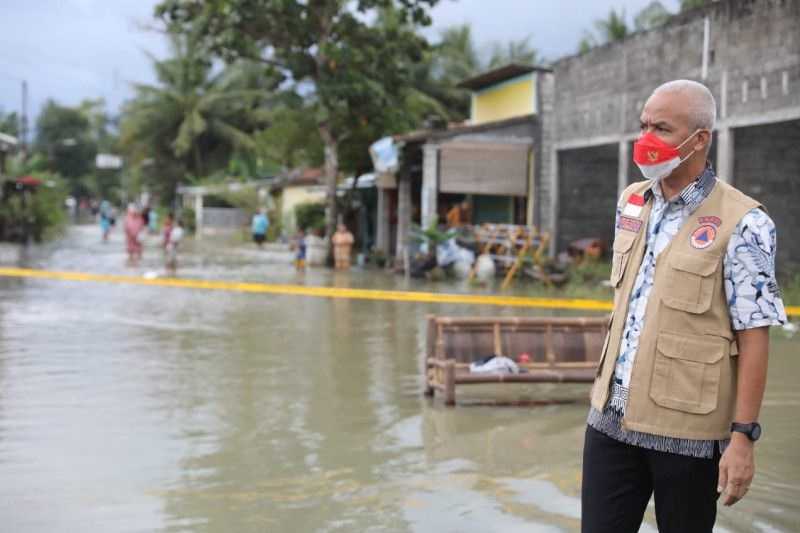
<point x="703" y="236"/>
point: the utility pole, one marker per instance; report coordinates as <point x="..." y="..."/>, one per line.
<point x="23" y="126"/>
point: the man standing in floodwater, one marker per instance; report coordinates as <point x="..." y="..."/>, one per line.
<point x="259" y="226"/>
<point x="681" y="378"/>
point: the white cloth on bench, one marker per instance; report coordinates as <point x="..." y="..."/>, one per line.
<point x="495" y="365"/>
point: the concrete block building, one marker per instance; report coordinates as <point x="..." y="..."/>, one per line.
<point x="746" y="51"/>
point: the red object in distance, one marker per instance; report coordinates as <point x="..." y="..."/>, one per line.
<point x="30" y="181"/>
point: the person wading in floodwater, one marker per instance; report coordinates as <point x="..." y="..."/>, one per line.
<point x="171" y="248"/>
<point x="679" y="386"/>
<point x="134" y="223"/>
<point x="259" y="226"/>
<point x="105" y="219"/>
<point x="342" y="247"/>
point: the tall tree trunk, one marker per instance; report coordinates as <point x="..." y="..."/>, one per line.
<point x="331" y="171"/>
<point x="329" y="139"/>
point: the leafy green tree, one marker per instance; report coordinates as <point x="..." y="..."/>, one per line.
<point x="310" y="216"/>
<point x="454" y="58"/>
<point x="432" y="95"/>
<point x="587" y="42"/>
<point x="613" y="28"/>
<point x="100" y="124"/>
<point x="195" y="118"/>
<point x="406" y="105"/>
<point x="652" y="16"/>
<point x="64" y="137"/>
<point x="519" y="51"/>
<point x="354" y="67"/>
<point x="33" y="215"/>
<point x="291" y="140"/>
<point x="9" y="123"/>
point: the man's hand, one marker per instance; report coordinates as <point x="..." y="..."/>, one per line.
<point x="736" y="469"/>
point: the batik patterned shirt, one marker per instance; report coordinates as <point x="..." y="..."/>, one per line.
<point x="750" y="287"/>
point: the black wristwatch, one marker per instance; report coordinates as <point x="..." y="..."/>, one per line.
<point x="753" y="431"/>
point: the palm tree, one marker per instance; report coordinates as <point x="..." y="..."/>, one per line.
<point x="456" y="57"/>
<point x="614" y="28"/>
<point x="519" y="51"/>
<point x="452" y="60"/>
<point x="196" y="116"/>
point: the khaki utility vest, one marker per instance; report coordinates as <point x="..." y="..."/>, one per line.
<point x="683" y="381"/>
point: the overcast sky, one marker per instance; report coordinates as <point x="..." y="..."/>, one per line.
<point x="75" y="49"/>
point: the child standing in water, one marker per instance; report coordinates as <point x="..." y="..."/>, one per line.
<point x="105" y="219"/>
<point x="299" y="246"/>
<point x="171" y="249"/>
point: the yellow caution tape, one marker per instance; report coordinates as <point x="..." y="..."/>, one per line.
<point x="326" y="292"/>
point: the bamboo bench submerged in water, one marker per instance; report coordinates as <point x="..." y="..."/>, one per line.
<point x="561" y="350"/>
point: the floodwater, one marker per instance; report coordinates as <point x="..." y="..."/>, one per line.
<point x="131" y="408"/>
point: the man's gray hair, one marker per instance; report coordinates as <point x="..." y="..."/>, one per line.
<point x="702" y="106"/>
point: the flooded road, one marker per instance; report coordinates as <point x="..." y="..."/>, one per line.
<point x="129" y="408"/>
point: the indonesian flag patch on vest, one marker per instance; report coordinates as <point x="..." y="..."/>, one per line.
<point x="634" y="206"/>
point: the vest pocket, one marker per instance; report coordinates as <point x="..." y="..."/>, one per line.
<point x="686" y="373"/>
<point x="691" y="281"/>
<point x="623" y="243"/>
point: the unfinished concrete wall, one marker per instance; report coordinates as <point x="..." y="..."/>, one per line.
<point x="224" y="218"/>
<point x="752" y="43"/>
<point x="587" y="193"/>
<point x="751" y="65"/>
<point x="767" y="167"/>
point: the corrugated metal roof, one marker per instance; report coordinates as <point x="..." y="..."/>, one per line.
<point x="7" y="141"/>
<point x="498" y="75"/>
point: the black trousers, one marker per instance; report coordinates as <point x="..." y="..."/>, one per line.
<point x="618" y="480"/>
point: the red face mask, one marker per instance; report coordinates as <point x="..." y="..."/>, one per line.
<point x="656" y="158"/>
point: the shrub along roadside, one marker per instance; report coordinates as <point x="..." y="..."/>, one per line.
<point x="36" y="214"/>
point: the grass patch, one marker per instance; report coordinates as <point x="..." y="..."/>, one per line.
<point x="586" y="281"/>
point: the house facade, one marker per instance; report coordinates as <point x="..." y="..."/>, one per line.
<point x="492" y="162"/>
<point x="552" y="147"/>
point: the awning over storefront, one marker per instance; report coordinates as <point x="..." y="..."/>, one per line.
<point x="485" y="168"/>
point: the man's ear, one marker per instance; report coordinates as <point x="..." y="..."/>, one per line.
<point x="703" y="141"/>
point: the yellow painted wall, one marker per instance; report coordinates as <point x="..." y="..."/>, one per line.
<point x="513" y="98"/>
<point x="293" y="196"/>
